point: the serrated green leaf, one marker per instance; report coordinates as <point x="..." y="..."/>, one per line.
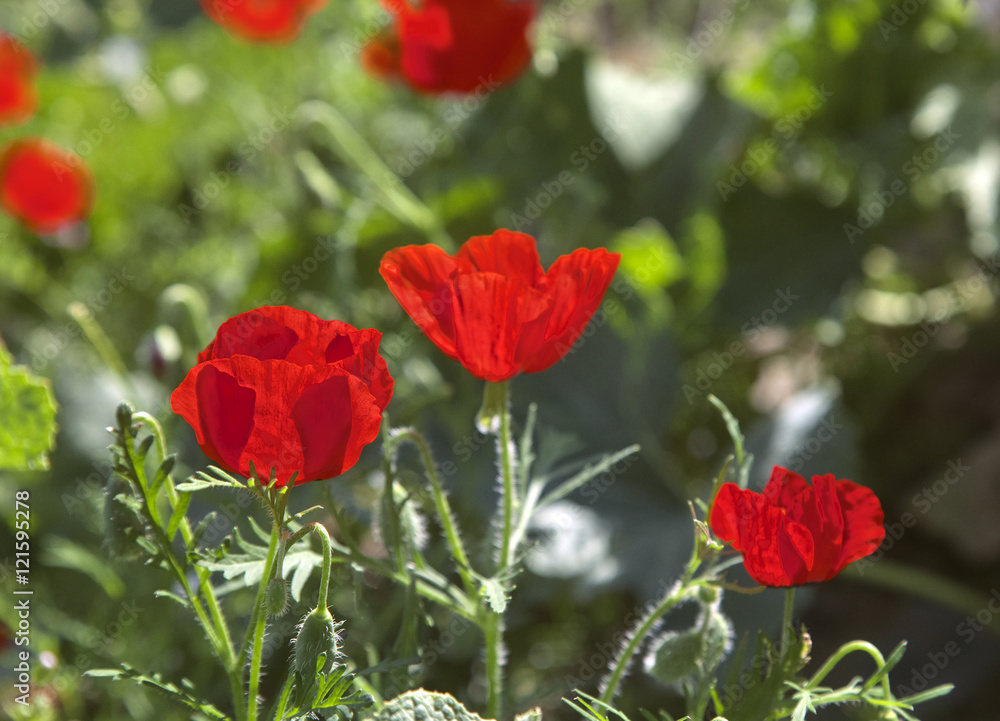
<point x="27" y="417"/>
<point x="203" y="525"/>
<point x="245" y="561"/>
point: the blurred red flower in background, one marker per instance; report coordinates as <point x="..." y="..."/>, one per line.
<point x="457" y="46"/>
<point x="492" y="306"/>
<point x="263" y="21"/>
<point x="288" y="391"/>
<point x="794" y="533"/>
<point x="18" y="97"/>
<point x="44" y="186"/>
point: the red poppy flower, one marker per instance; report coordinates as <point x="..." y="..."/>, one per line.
<point x="794" y="533"/>
<point x="492" y="307"/>
<point x="457" y="46"/>
<point x="287" y="391"/>
<point x="44" y="186"/>
<point x="18" y="97"/>
<point x="263" y="21"/>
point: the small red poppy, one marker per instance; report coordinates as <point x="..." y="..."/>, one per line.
<point x="492" y="306"/>
<point x="18" y="97"/>
<point x="457" y="46"/>
<point x="794" y="533"/>
<point x="262" y="21"/>
<point x="287" y="391"/>
<point x="44" y="186"/>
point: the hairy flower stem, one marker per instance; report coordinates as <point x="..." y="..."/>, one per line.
<point x="678" y="593"/>
<point x="258" y="618"/>
<point x="843" y="651"/>
<point x="507" y="471"/>
<point x="497" y="400"/>
<point x="493" y="631"/>
<point x="324" y="582"/>
<point x="445" y="515"/>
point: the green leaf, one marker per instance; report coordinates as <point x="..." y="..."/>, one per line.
<point x="156" y="682"/>
<point x="733" y="427"/>
<point x="178" y="515"/>
<point x="567" y="487"/>
<point x="27" y="417"/>
<point x="245" y="562"/>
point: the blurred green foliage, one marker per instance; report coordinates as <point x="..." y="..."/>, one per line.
<point x="805" y="194"/>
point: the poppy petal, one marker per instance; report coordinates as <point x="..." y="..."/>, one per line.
<point x="489" y="313"/>
<point x="576" y="283"/>
<point x="220" y="410"/>
<point x="335" y="418"/>
<point x="506" y="252"/>
<point x="419" y="276"/>
<point x="863" y="517"/>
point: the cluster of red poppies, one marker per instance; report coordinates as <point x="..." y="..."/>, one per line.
<point x="440" y="46"/>
<point x="45" y="187"/>
<point x="280" y="391"/>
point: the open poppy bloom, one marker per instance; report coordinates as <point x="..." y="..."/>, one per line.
<point x="794" y="533"/>
<point x="285" y="390"/>
<point x="18" y="97"/>
<point x="457" y="46"/>
<point x="492" y="306"/>
<point x="264" y="21"/>
<point x="44" y="186"/>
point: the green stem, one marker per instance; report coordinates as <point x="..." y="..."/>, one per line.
<point x="258" y="620"/>
<point x="445" y="515"/>
<point x="675" y="596"/>
<point x="786" y="620"/>
<point x="507" y="469"/>
<point x="839" y="654"/>
<point x="497" y="398"/>
<point x="228" y="656"/>
<point x="324" y="582"/>
<point x="493" y="631"/>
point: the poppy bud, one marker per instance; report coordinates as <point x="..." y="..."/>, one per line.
<point x="276" y="597"/>
<point x="317" y="637"/>
<point x="124" y="415"/>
